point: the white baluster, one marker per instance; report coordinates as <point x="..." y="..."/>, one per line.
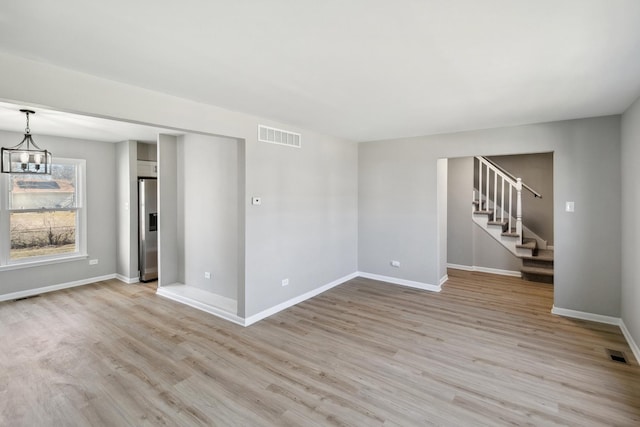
<point x="519" y="208"/>
<point x="479" y="185"/>
<point x="510" y="205"/>
<point x="495" y="195"/>
<point x="488" y="200"/>
<point x="502" y="203"/>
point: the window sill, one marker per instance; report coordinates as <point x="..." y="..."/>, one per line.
<point x="29" y="264"/>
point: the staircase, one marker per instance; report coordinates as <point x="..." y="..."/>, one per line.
<point x="494" y="210"/>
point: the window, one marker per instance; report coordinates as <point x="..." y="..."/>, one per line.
<point x="43" y="216"/>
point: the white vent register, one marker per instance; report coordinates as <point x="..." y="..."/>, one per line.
<point x="279" y="136"/>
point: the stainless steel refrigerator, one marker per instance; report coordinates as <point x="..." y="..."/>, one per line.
<point x="148" y="228"/>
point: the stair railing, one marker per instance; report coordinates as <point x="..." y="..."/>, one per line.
<point x="510" y="175"/>
<point x="488" y="170"/>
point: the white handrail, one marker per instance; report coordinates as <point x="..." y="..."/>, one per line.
<point x="524" y="185"/>
<point x="498" y="171"/>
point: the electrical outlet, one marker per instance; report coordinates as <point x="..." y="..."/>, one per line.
<point x="285" y="282"/>
<point x="93" y="261"/>
<point x="207" y="275"/>
<point x="395" y="264"/>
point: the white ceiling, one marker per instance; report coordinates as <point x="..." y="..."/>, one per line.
<point x="359" y="69"/>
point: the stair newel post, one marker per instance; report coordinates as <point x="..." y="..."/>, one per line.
<point x="510" y="207"/>
<point x="519" y="208"/>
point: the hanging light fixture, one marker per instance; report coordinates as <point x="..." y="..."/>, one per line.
<point x="24" y="159"/>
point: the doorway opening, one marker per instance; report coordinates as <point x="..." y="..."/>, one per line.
<point x="482" y="215"/>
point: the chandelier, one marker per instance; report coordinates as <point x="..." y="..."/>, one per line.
<point x="23" y="159"/>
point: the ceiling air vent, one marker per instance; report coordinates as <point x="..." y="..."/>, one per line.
<point x="279" y="136"/>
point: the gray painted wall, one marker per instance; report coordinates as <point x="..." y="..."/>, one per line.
<point x="630" y="211"/>
<point x="395" y="214"/>
<point x="306" y="228"/>
<point x="310" y="198"/>
<point x="460" y="247"/>
<point x="488" y="253"/>
<point x="398" y="203"/>
<point x="168" y="241"/>
<point x="101" y="216"/>
<point x="208" y="213"/>
<point x="468" y="244"/>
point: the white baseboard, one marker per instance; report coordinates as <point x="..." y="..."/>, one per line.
<point x="45" y="289"/>
<point x="282" y="306"/>
<point x="460" y="267"/>
<point x="632" y="343"/>
<point x="403" y="282"/>
<point x="485" y="270"/>
<point x="293" y="301"/>
<point x="583" y="315"/>
<point x="601" y="319"/>
<point x="128" y="280"/>
<point x="498" y="271"/>
<point x="208" y="308"/>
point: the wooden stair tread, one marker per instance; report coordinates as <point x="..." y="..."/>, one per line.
<point x="502" y="223"/>
<point x="538" y="257"/>
<point x="530" y="244"/>
<point x="511" y="234"/>
<point x="537" y="270"/>
<point x="489" y="212"/>
<point x="545" y="252"/>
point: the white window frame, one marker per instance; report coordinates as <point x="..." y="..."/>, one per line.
<point x="6" y="263"/>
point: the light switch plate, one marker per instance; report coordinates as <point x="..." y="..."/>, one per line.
<point x="570" y="207"/>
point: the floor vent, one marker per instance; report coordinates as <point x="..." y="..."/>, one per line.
<point x="23" y="298"/>
<point x="279" y="136"/>
<point x="616" y="356"/>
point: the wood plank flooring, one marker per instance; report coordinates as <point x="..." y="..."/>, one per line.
<point x="484" y="351"/>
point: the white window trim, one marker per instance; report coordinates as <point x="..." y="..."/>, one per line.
<point x="81" y="224"/>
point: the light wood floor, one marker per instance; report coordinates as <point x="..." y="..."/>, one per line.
<point x="484" y="351"/>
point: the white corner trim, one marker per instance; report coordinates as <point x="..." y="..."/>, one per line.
<point x="127" y="280"/>
<point x="45" y="289"/>
<point x="583" y="315"/>
<point x="634" y="346"/>
<point x="443" y="280"/>
<point x="498" y="271"/>
<point x="166" y="293"/>
<point x="296" y="300"/>
<point x="403" y="282"/>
